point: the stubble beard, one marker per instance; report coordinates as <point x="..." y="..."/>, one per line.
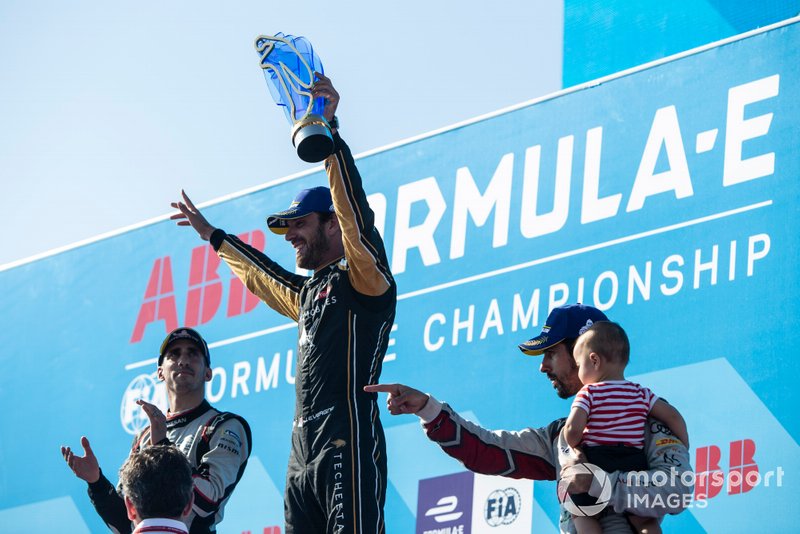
<point x="187" y="386"/>
<point x="562" y="390"/>
<point x="315" y="250"/>
<point x="191" y="382"/>
<point x="568" y="386"/>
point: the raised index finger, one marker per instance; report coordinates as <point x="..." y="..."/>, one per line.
<point x="394" y="389"/>
<point x="188" y="200"/>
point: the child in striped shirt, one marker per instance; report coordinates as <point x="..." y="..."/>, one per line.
<point x="609" y="413"/>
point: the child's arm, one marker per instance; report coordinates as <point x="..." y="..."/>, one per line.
<point x="671" y="417"/>
<point x="575" y="425"/>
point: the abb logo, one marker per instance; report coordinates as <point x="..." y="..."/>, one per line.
<point x="205" y="290"/>
<point x="267" y="530"/>
<point x="743" y="472"/>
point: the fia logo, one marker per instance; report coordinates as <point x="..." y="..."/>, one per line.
<point x="502" y="507"/>
<point x="444" y="510"/>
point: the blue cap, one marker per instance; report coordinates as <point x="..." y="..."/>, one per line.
<point x="307" y="201"/>
<point x="564" y="322"/>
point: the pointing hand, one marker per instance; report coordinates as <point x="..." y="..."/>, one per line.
<point x="402" y="399"/>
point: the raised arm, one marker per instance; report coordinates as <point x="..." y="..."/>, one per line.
<point x="105" y="499"/>
<point x="274" y="285"/>
<point x="189" y="215"/>
<point x="277" y="287"/>
<point x="363" y="247"/>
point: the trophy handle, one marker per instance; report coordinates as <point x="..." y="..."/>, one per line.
<point x="311" y="134"/>
<point x="265" y="44"/>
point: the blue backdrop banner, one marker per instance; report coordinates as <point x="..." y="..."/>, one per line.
<point x="667" y="197"/>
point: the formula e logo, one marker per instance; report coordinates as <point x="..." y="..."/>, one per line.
<point x="146" y="387"/>
<point x="443" y="511"/>
<point x="502" y="507"/>
<point x="444" y="504"/>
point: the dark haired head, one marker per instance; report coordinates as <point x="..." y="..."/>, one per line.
<point x="324" y="216"/>
<point x="157" y="481"/>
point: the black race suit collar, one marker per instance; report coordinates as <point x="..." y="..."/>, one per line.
<point x="187" y="416"/>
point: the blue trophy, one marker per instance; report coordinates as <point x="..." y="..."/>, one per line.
<point x="289" y="64"/>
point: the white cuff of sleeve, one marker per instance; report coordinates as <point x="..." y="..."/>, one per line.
<point x="431" y="409"/>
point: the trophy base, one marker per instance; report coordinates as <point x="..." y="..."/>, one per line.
<point x="312" y="138"/>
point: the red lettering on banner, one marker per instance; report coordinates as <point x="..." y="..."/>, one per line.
<point x="743" y="473"/>
<point x="272" y="530"/>
<point x="240" y="300"/>
<point x="205" y="287"/>
<point x="159" y="300"/>
<point x="204" y="295"/>
<point x="710" y="477"/>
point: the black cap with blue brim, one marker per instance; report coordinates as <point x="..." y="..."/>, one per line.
<point x="307" y="201"/>
<point x="564" y="322"/>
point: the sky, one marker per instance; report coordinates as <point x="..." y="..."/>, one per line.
<point x="109" y="109"/>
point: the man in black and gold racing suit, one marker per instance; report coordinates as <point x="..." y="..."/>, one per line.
<point x="336" y="478"/>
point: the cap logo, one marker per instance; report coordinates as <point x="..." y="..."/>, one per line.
<point x="546" y="329"/>
<point x="182" y="333"/>
<point x="583" y="329"/>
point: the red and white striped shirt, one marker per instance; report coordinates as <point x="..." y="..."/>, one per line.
<point x="617" y="412"/>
